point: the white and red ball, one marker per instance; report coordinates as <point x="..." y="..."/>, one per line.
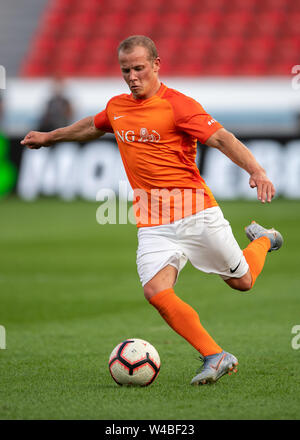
<point x="134" y="362"/>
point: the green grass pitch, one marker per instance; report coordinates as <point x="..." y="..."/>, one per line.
<point x="69" y="292"/>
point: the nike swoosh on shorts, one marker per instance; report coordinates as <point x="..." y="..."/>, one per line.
<point x="233" y="270"/>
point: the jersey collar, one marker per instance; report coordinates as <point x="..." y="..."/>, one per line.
<point x="159" y="93"/>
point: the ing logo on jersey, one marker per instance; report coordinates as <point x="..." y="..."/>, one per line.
<point x="143" y="136"/>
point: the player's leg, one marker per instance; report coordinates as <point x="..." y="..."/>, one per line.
<point x="243" y="284"/>
<point x="262" y="241"/>
<point x="211" y="247"/>
<point x="206" y="240"/>
<point x="214" y="249"/>
<point x="255" y="255"/>
<point x="179" y="315"/>
<point x="164" y="279"/>
<point x="159" y="260"/>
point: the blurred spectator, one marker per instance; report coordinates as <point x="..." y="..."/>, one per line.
<point x="58" y="111"/>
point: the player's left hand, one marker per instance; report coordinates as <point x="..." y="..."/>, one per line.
<point x="265" y="188"/>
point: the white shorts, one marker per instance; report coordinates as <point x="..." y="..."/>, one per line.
<point x="205" y="239"/>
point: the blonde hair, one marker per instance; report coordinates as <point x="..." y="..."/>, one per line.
<point x="131" y="42"/>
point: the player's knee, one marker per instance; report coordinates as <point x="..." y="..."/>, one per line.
<point x="164" y="279"/>
<point x="242" y="284"/>
<point x="149" y="291"/>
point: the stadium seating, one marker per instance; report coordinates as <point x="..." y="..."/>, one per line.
<point x="211" y="37"/>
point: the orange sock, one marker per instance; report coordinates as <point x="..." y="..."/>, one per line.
<point x="185" y="321"/>
<point x="255" y="254"/>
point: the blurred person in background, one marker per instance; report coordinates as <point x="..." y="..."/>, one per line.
<point x="298" y="123"/>
<point x="58" y="111"/>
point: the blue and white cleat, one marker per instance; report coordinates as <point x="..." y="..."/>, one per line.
<point x="255" y="231"/>
<point x="214" y="367"/>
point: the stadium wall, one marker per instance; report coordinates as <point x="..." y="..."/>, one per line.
<point x="70" y="170"/>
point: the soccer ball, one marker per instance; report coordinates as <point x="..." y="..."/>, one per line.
<point x="134" y="362"/>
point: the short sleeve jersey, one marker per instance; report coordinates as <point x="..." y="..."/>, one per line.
<point x="157" y="140"/>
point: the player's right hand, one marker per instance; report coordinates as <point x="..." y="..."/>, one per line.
<point x="35" y="140"/>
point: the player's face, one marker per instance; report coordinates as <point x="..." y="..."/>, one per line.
<point x="140" y="73"/>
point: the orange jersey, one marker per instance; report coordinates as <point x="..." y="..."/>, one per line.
<point x="157" y="139"/>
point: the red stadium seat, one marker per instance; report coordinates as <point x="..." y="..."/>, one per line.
<point x="287" y="50"/>
<point x="267" y="24"/>
<point x="207" y="37"/>
<point x="242" y="6"/>
<point x="187" y="69"/>
<point x="204" y="25"/>
<point x="172" y="24"/>
<point x="37" y="64"/>
<point x="54" y="19"/>
<point x="82" y="20"/>
<point x="250" y="69"/>
<point x="236" y="24"/>
<point x="65" y="62"/>
<point x="98" y="57"/>
<point x="167" y="47"/>
<point x="288" y="44"/>
<point x="141" y="23"/>
<point x="90" y="6"/>
<point x="180" y="5"/>
<point x="199" y="31"/>
<point x="109" y="26"/>
<point x="227" y="50"/>
<point x="72" y="45"/>
<point x="193" y="49"/>
<point x="65" y="69"/>
<point x="207" y="6"/>
<point x="92" y="70"/>
<point x="279" y="69"/>
<point x="146" y="5"/>
<point x="34" y="70"/>
<point x="293" y="7"/>
<point x="114" y="70"/>
<point x="212" y="18"/>
<point x="259" y="49"/>
<point x="274" y="5"/>
<point x="219" y="69"/>
<point x="292" y="25"/>
<point x="114" y="6"/>
<point x="44" y="44"/>
<point x="62" y="5"/>
<point x="103" y="44"/>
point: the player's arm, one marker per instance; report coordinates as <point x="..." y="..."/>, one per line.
<point x="228" y="144"/>
<point x="81" y="131"/>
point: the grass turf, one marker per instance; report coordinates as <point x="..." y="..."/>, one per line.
<point x="69" y="293"/>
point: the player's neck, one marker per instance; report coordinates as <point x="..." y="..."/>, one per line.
<point x="155" y="89"/>
<point x="152" y="92"/>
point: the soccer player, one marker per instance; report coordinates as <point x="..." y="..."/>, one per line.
<point x="156" y="129"/>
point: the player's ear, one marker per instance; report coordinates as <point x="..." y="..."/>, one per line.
<point x="156" y="64"/>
